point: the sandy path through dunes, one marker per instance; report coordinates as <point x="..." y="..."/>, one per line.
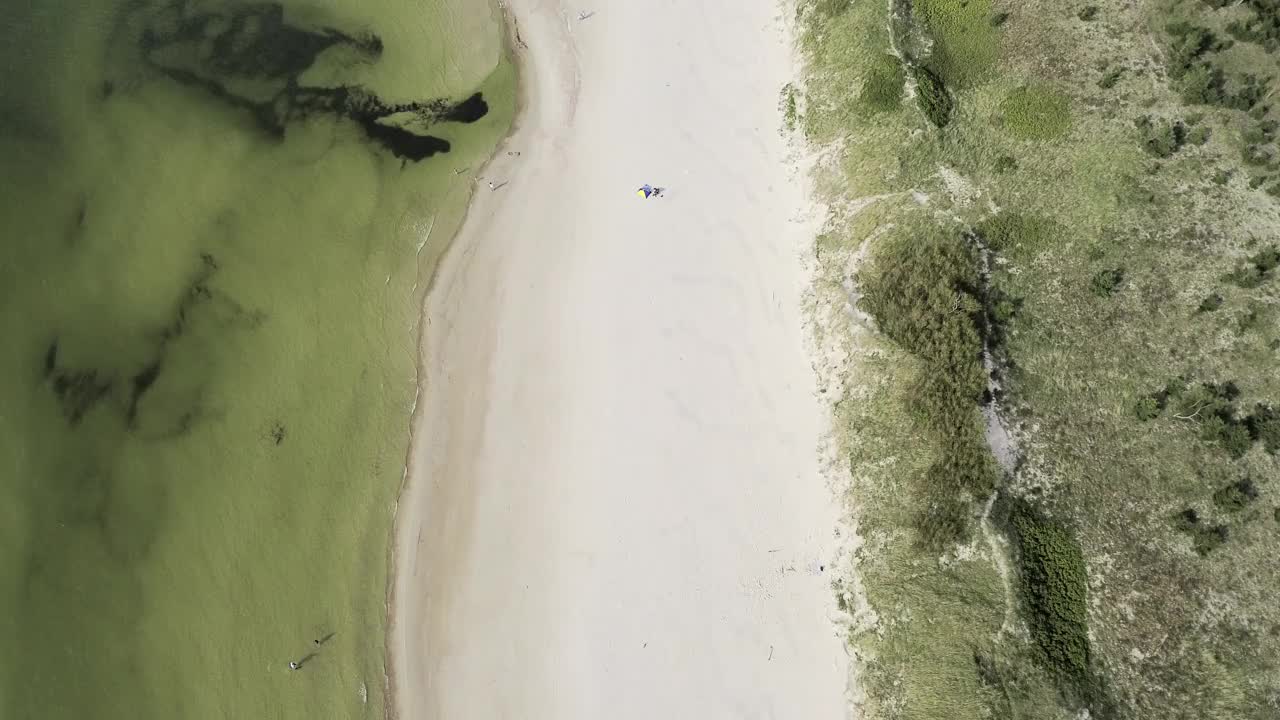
<point x="615" y="508"/>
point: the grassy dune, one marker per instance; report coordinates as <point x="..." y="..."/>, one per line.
<point x="209" y="338"/>
<point x="1099" y="178"/>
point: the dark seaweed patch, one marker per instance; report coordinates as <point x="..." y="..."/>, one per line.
<point x="75" y="229"/>
<point x="51" y="358"/>
<point x="213" y="51"/>
<point x="197" y="292"/>
<point x="141" y="383"/>
<point x="78" y="391"/>
<point x="402" y="143"/>
<point x="469" y="110"/>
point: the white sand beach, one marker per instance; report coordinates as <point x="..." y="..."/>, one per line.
<point x="615" y="506"/>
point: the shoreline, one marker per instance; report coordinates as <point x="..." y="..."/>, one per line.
<point x="503" y="494"/>
<point x="514" y="51"/>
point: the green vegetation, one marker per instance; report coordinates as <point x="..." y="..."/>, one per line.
<point x="789" y="104"/>
<point x="932" y="96"/>
<point x="1054" y="588"/>
<point x="925" y="294"/>
<point x="1205" y="537"/>
<point x="1107" y="282"/>
<point x="966" y="44"/>
<point x="883" y="88"/>
<point x="1099" y="229"/>
<point x="1256" y="270"/>
<point x="1036" y="113"/>
<point x="1236" y="496"/>
<point x="1110" y="78"/>
<point x="1162" y="138"/>
<point x="1214" y="408"/>
<point x="1211" y="302"/>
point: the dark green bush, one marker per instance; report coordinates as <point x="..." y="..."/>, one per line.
<point x="1187" y="44"/>
<point x="1262" y="28"/>
<point x="1245" y="276"/>
<point x="1264" y="427"/>
<point x="1262" y="133"/>
<point x="1234" y="438"/>
<point x="1256" y="154"/>
<point x="1107" y="282"/>
<point x="1005" y="163"/>
<point x="1213" y="407"/>
<point x="1256" y="269"/>
<point x="1054" y="587"/>
<point x="1236" y="496"/>
<point x="1110" y="79"/>
<point x="1147" y="409"/>
<point x="1251" y="91"/>
<point x="1210" y="303"/>
<point x="932" y="96"/>
<point x="1162" y="138"/>
<point x="1208" y="539"/>
<point x="1203" y="84"/>
<point x="1204" y="538"/>
<point x="1198" y="79"/>
<point x="1266" y="260"/>
<point x="1088" y="13"/>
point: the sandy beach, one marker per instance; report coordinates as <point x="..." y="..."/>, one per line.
<point x="615" y="506"/>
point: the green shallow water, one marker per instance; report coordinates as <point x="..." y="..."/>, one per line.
<point x="208" y="302"/>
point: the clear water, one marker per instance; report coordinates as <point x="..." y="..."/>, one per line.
<point x="211" y="265"/>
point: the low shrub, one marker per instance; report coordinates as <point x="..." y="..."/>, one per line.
<point x="1236" y="496"/>
<point x="1266" y="260"/>
<point x="1212" y="302"/>
<point x="932" y="96"/>
<point x="1009" y="230"/>
<point x="1205" y="538"/>
<point x="1054" y="588"/>
<point x="1262" y="28"/>
<point x="1213" y="407"/>
<point x="883" y="86"/>
<point x="1256" y="269"/>
<point x="965" y="42"/>
<point x="1107" y="282"/>
<point x="1147" y="409"/>
<point x="1161" y="138"/>
<point x="1264" y="427"/>
<point x="1036" y="112"/>
<point x="1187" y="44"/>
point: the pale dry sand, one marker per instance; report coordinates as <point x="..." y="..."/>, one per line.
<point x="615" y="507"/>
